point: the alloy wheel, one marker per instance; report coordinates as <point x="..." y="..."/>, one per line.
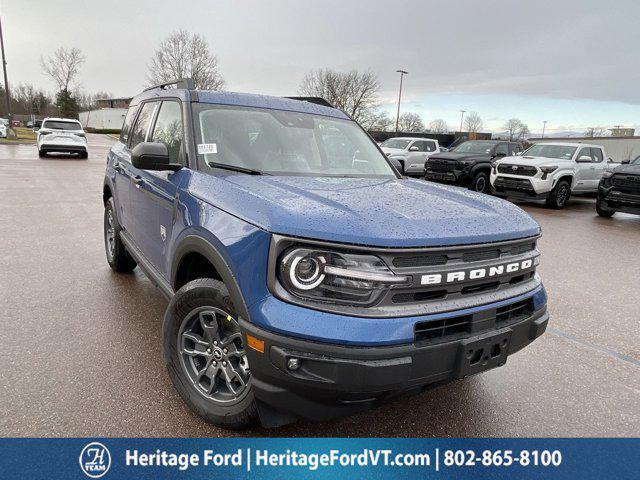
<point x="212" y="355"/>
<point x="110" y="233"/>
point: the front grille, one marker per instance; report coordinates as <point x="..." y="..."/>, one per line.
<point x="442" y="164"/>
<point x="514" y="312"/>
<point x="464" y="255"/>
<point x="514" y="184"/>
<point x="448" y="329"/>
<point x="523" y="170"/>
<point x="626" y="183"/>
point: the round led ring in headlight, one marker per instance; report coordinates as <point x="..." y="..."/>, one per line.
<point x="306" y="273"/>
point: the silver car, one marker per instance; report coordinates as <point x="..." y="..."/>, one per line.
<point x="411" y="153"/>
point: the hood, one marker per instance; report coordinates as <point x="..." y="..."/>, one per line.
<point x="534" y="161"/>
<point x="376" y="212"/>
<point x="628" y="169"/>
<point x="393" y="151"/>
<point x="460" y="156"/>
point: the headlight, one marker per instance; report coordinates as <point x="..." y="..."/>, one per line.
<point x="546" y="170"/>
<point x="328" y="276"/>
<point x="607" y="174"/>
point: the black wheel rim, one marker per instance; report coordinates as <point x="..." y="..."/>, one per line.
<point x="562" y="195"/>
<point x="109" y="232"/>
<point x="212" y="355"/>
<point x="481" y="184"/>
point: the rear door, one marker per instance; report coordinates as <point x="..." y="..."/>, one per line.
<point x="120" y="158"/>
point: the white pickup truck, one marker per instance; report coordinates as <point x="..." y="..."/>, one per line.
<point x="550" y="171"/>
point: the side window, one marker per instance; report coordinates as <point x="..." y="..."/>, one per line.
<point x="502" y="149"/>
<point x="430" y="146"/>
<point x="168" y="129"/>
<point x="596" y="154"/>
<point x="420" y="144"/>
<point x="139" y="131"/>
<point x="585" y="152"/>
<point x="128" y="121"/>
<point x="513" y="148"/>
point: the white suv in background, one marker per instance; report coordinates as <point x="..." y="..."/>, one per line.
<point x="411" y="153"/>
<point x="61" y="135"/>
<point x="550" y="171"/>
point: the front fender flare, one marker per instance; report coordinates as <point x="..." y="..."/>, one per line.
<point x="196" y="244"/>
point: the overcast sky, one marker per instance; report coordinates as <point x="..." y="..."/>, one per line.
<point x="573" y="63"/>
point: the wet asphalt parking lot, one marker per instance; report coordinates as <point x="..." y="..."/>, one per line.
<point x="80" y="346"/>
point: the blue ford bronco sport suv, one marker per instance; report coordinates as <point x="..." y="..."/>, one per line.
<point x="298" y="287"/>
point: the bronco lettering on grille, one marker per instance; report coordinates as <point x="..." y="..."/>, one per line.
<point x="475" y="274"/>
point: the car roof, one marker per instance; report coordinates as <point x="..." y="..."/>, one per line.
<point x="240" y="100"/>
<point x="56" y="119"/>
<point x="412" y="138"/>
<point x="569" y="144"/>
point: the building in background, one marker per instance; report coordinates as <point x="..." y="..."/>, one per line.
<point x="622" y="132"/>
<point x="617" y="148"/>
<point x="108" y="116"/>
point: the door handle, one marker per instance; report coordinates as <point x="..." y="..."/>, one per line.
<point x="138" y="180"/>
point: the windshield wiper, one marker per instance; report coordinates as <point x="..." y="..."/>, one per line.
<point x="234" y="168"/>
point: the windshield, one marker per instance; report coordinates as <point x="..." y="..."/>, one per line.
<point x="474" y="147"/>
<point x="61" y="125"/>
<point x="286" y="143"/>
<point x="551" y="151"/>
<point x="636" y="161"/>
<point x="396" y="143"/>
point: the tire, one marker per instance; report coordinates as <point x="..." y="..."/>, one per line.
<point x="480" y="183"/>
<point x="190" y="348"/>
<point x="83" y="155"/>
<point x="602" y="211"/>
<point x="560" y="195"/>
<point x="42" y="153"/>
<point x="117" y="256"/>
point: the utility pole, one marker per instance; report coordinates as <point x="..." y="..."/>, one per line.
<point x="461" y="118"/>
<point x="6" y="82"/>
<point x="544" y="124"/>
<point x="402" y="74"/>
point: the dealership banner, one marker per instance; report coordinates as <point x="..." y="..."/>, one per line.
<point x="332" y="458"/>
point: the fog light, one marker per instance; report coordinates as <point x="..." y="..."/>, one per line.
<point x="293" y="363"/>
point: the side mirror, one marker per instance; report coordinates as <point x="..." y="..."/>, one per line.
<point x="625" y="162"/>
<point x="519" y="154"/>
<point x="584" y="159"/>
<point x="414" y="149"/>
<point x="152" y="156"/>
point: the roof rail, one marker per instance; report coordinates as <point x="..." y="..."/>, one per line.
<point x="186" y="83"/>
<point x="316" y="100"/>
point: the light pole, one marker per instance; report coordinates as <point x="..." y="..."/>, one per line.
<point x="461" y="118"/>
<point x="544" y="124"/>
<point x="6" y="83"/>
<point x="402" y="74"/>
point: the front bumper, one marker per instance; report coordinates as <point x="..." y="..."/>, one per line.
<point x="335" y="380"/>
<point x="619" y="201"/>
<point x="454" y="177"/>
<point x="532" y="188"/>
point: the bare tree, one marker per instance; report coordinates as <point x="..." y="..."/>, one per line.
<point x="410" y="122"/>
<point x="438" y="126"/>
<point x="185" y="55"/>
<point x="28" y="100"/>
<point x="512" y="126"/>
<point x="523" y="132"/>
<point x="473" y="122"/>
<point x="596" y="132"/>
<point x="354" y="92"/>
<point x="63" y="66"/>
<point x="376" y="120"/>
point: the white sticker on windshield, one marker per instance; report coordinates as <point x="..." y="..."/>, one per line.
<point x="204" y="148"/>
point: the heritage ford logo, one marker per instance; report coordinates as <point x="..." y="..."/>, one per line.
<point x="476" y="273"/>
<point x="95" y="460"/>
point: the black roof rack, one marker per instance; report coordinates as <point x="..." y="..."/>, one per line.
<point x="316" y="100"/>
<point x="186" y="83"/>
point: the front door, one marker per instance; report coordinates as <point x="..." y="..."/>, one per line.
<point x="157" y="193"/>
<point x="585" y="171"/>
